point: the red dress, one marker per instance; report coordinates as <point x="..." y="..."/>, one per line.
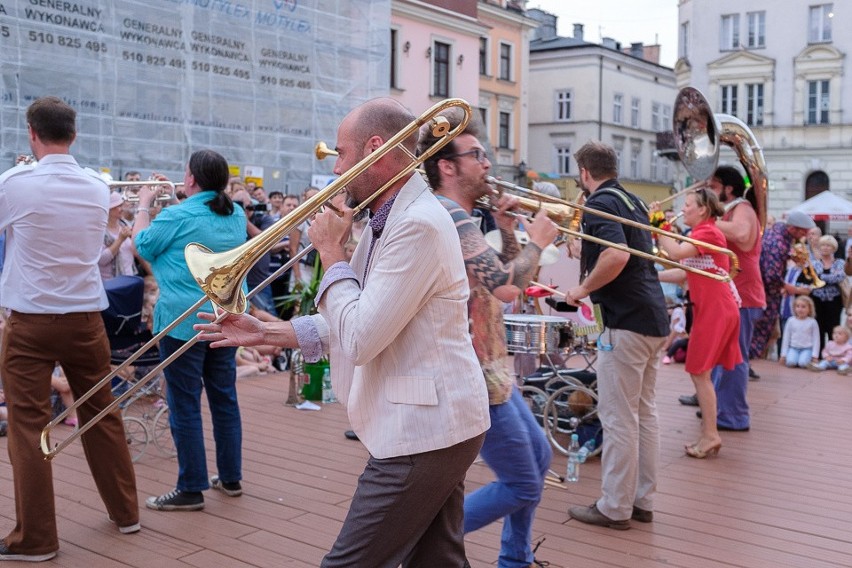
<point x="714" y="339"/>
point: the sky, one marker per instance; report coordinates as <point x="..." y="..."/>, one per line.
<point x="626" y="21"/>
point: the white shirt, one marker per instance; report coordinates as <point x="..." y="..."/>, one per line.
<point x="55" y="213"/>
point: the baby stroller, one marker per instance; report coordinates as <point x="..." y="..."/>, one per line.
<point x="145" y="412"/>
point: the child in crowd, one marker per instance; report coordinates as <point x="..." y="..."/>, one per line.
<point x="250" y="362"/>
<point x="800" y="343"/>
<point x="678" y="332"/>
<point x="59" y="383"/>
<point x="837" y="353"/>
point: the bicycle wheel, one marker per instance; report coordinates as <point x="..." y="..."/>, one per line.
<point x="570" y="409"/>
<point x="136" y="434"/>
<point x="536" y="400"/>
<point x="162" y="433"/>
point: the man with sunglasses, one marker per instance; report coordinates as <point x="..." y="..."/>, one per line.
<point x="636" y="325"/>
<point x="515" y="447"/>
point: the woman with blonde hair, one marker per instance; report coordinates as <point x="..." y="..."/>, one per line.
<point x="716" y="319"/>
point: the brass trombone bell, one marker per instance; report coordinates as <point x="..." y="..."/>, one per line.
<point x="130" y="189"/>
<point x="560" y="213"/>
<point x="221" y="275"/>
<point x="322" y="151"/>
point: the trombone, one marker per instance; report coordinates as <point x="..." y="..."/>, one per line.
<point x="560" y="212"/>
<point x="130" y="189"/>
<point x="221" y="275"/>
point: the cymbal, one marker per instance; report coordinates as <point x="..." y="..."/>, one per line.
<point x="549" y="255"/>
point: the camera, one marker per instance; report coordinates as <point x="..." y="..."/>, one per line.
<point x="258" y="207"/>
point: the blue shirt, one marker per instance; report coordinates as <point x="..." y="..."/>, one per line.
<point x="162" y="244"/>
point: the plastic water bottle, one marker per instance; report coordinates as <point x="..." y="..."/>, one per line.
<point x="573" y="472"/>
<point x="586" y="450"/>
<point x="327" y="393"/>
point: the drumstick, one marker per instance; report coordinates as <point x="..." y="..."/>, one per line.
<point x="547" y="288"/>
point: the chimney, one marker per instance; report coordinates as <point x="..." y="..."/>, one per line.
<point x="637" y="50"/>
<point x="609" y="43"/>
<point x="578" y="32"/>
<point x="547" y="24"/>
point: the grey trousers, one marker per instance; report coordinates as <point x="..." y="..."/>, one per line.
<point x="407" y="510"/>
<point x="627" y="378"/>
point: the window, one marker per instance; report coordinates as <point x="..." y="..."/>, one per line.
<point x="817" y="102"/>
<point x="656" y="117"/>
<point x="655" y="159"/>
<point x="563" y="106"/>
<point x="441" y="69"/>
<point x="666" y="117"/>
<point x="729" y="99"/>
<point x="730" y="32"/>
<point x="754" y="104"/>
<point x="505" y="62"/>
<point x="634" y="112"/>
<point x="820" y="23"/>
<point x="635" y="156"/>
<point x="756" y="29"/>
<point x="563" y="160"/>
<point x="617" y="103"/>
<point x="394" y="59"/>
<point x="483" y="116"/>
<point x="483" y="56"/>
<point x="505" y="125"/>
<point x="618" y="146"/>
<point x="684" y="40"/>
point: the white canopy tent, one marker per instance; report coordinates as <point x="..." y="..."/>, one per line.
<point x="826" y="206"/>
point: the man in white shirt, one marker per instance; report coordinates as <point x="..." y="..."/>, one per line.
<point x="55" y="215"/>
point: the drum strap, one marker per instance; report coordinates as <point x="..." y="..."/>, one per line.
<point x="706" y="262"/>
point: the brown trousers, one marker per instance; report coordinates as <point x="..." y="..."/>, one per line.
<point x="32" y="345"/>
<point x="408" y="510"/>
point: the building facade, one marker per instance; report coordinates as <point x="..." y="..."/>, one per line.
<point x="585" y="91"/>
<point x="475" y="50"/>
<point x="782" y="68"/>
<point x="503" y="62"/>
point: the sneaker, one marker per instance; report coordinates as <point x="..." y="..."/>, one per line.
<point x="667" y="360"/>
<point x="843" y="370"/>
<point x="814" y="367"/>
<point x="177" y="500"/>
<point x="4" y="428"/>
<point x="229" y="488"/>
<point x="752" y="376"/>
<point x="127" y="529"/>
<point x="5" y="554"/>
<point x="642" y="515"/>
<point x="688" y="399"/>
<point x="591" y="516"/>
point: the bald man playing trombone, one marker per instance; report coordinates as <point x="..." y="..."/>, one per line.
<point x="394" y="321"/>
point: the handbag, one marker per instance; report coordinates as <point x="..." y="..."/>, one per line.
<point x="845" y="291"/>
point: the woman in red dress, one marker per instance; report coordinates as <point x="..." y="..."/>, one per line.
<point x="715" y="328"/>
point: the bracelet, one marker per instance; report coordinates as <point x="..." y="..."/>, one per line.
<point x="145" y="209"/>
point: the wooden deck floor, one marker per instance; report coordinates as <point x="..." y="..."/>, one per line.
<point x="777" y="496"/>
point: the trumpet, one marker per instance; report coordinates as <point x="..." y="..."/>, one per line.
<point x="560" y="212"/>
<point x="221" y="275"/>
<point x="130" y="189"/>
<point x="799" y="254"/>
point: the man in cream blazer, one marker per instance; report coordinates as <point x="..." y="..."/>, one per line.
<point x="395" y="324"/>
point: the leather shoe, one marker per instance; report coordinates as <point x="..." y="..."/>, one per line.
<point x="642" y="515"/>
<point x="351" y="435"/>
<point x="688" y="399"/>
<point x="591" y="516"/>
<point x="752" y="376"/>
<point x="722" y="428"/>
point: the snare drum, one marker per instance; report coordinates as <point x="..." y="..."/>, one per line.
<point x="530" y="333"/>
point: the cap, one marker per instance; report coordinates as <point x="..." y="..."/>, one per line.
<point x="800" y="220"/>
<point x="115" y="199"/>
